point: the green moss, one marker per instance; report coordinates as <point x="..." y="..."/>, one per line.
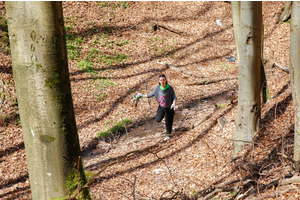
<point x="72" y="183"/>
<point x="52" y="82"/>
<point x="4" y="39"/>
<point x="222" y="105"/>
<point x="118" y="128"/>
<point x="47" y="138"/>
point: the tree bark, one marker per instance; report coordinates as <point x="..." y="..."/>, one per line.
<point x="236" y="18"/>
<point x="295" y="75"/>
<point x="249" y="105"/>
<point x="40" y="70"/>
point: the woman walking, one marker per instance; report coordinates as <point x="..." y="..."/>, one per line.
<point x="165" y="95"/>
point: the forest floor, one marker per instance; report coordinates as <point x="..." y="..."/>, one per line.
<point x="114" y="50"/>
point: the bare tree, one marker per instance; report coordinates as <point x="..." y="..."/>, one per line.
<point x="295" y="75"/>
<point x="40" y="69"/>
<point x="249" y="105"/>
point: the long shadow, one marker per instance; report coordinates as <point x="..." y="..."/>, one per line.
<point x="95" y="141"/>
<point x="157" y="147"/>
<point x="283" y="89"/>
<point x="95" y="77"/>
<point x="11" y="150"/>
<point x="20" y="179"/>
<point x="26" y="190"/>
<point x="115" y="103"/>
<point x="163" y="55"/>
<point x="101" y="29"/>
<point x="280" y="108"/>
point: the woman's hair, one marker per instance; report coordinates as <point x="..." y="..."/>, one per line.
<point x="162" y="75"/>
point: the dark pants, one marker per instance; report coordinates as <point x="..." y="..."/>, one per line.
<point x="169" y="116"/>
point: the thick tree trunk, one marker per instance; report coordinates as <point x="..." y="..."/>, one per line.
<point x="249" y="105"/>
<point x="295" y="75"/>
<point x="40" y="69"/>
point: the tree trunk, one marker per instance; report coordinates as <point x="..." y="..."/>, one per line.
<point x="236" y="18"/>
<point x="295" y="75"/>
<point x="286" y="15"/>
<point x="40" y="69"/>
<point x="249" y="106"/>
<point x="264" y="86"/>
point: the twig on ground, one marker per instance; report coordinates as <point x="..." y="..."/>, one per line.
<point x="179" y="32"/>
<point x="116" y="191"/>
<point x="133" y="185"/>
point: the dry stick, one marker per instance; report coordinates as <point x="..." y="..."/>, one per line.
<point x="218" y="190"/>
<point x="283" y="68"/>
<point x="211" y="150"/>
<point x="133" y="185"/>
<point x="265" y="196"/>
<point x="116" y="191"/>
<point x="179" y="32"/>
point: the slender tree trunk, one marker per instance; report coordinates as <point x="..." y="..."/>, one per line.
<point x="236" y="18"/>
<point x="40" y="69"/>
<point x="264" y="86"/>
<point x="286" y="15"/>
<point x="249" y="106"/>
<point x="295" y="75"/>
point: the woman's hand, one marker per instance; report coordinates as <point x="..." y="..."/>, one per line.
<point x="173" y="105"/>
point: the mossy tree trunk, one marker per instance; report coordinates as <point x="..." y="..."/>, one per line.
<point x="40" y="70"/>
<point x="249" y="105"/>
<point x="295" y="75"/>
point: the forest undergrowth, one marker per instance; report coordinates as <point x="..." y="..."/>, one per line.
<point x="118" y="48"/>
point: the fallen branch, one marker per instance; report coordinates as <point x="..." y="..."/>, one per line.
<point x="217" y="191"/>
<point x="276" y="64"/>
<point x="180" y="70"/>
<point x="179" y="32"/>
<point x="206" y="81"/>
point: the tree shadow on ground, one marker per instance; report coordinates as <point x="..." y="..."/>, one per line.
<point x="20" y="179"/>
<point x="20" y="190"/>
<point x="156" y="147"/>
<point x="11" y="150"/>
<point x="95" y="141"/>
<point x="102" y="29"/>
<point x="166" y="54"/>
<point x="121" y="99"/>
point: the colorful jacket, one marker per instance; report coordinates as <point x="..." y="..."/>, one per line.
<point x="165" y="97"/>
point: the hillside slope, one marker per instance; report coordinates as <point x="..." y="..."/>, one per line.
<point x="114" y="50"/>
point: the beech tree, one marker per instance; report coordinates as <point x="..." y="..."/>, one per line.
<point x="236" y="18"/>
<point x="40" y="71"/>
<point x="295" y="75"/>
<point x="249" y="105"/>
